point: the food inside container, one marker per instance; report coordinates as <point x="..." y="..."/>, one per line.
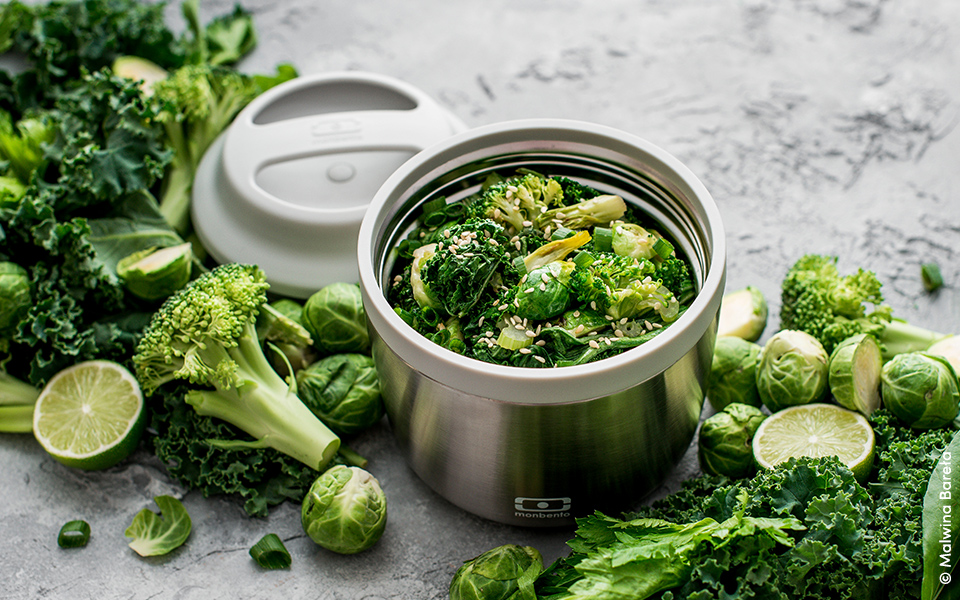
<point x="537" y="270"/>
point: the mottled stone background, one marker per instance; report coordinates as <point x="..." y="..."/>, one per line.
<point x="818" y="125"/>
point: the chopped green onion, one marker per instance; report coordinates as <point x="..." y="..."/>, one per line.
<point x="434" y="206"/>
<point x="406" y="315"/>
<point x="519" y="265"/>
<point x="457" y="345"/>
<point x="932" y="279"/>
<point x="270" y="553"/>
<point x="583" y="259"/>
<point x="512" y="338"/>
<point x="74" y="534"/>
<point x="663" y="248"/>
<point x="603" y="239"/>
<point x="430" y="315"/>
<point x="352" y="457"/>
<point x="434" y="219"/>
<point x="562" y="233"/>
<point x="455" y="210"/>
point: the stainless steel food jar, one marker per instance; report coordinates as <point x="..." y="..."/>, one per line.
<point x="539" y="447"/>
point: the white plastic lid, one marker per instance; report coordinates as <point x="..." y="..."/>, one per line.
<point x="287" y="184"/>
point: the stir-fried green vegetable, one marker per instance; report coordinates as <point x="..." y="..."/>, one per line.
<point x="538" y="271"/>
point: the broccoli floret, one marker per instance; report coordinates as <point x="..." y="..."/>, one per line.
<point x="198" y="102"/>
<point x="622" y="286"/>
<point x="574" y="191"/>
<point x="831" y="307"/>
<point x="206" y="334"/>
<point x="674" y="275"/>
<point x="517" y="201"/>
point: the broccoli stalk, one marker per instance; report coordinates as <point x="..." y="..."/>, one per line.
<point x="199" y="102"/>
<point x="599" y="210"/>
<point x="206" y="334"/>
<point x="17" y="399"/>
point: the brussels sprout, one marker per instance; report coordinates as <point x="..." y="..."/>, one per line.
<point x="726" y="441"/>
<point x="155" y="273"/>
<point x="345" y="510"/>
<point x="920" y="389"/>
<point x="854" y="373"/>
<point x="733" y="374"/>
<point x="544" y="294"/>
<point x="743" y="314"/>
<point x="504" y="573"/>
<point x="793" y="370"/>
<point x="14" y="294"/>
<point x="422" y="293"/>
<point x="291" y="309"/>
<point x="343" y="391"/>
<point x="335" y="318"/>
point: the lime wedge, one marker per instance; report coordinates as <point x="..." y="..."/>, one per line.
<point x="816" y="430"/>
<point x="90" y="416"/>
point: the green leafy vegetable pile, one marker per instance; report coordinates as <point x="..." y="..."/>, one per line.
<point x="101" y="130"/>
<point x="538" y="271"/>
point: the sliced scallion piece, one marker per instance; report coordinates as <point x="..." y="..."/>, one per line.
<point x="435" y="205"/>
<point x="584" y="259"/>
<point x="932" y="279"/>
<point x="663" y="248"/>
<point x="270" y="553"/>
<point x="562" y="233"/>
<point x="520" y="265"/>
<point x="512" y="338"/>
<point x="603" y="238"/>
<point x="74" y="534"/>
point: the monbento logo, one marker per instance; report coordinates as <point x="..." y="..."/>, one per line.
<point x="542" y="508"/>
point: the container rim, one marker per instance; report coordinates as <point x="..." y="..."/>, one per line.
<point x="529" y="385"/>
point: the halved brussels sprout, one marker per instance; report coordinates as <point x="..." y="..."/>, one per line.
<point x="854" y="373"/>
<point x="544" y="293"/>
<point x="743" y="314"/>
<point x="155" y="273"/>
<point x="14" y="293"/>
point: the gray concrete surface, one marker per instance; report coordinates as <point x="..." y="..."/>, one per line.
<point x="818" y="125"/>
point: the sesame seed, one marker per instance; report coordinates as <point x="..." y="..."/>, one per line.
<point x="528" y="223"/>
<point x="519" y="327"/>
<point x="547" y="230"/>
<point x="543" y="209"/>
<point x="524" y="350"/>
<point x="594" y="344"/>
<point x="578" y="330"/>
<point x="648" y="325"/>
<point x="623" y="320"/>
<point x="517" y="244"/>
<point x="593" y="305"/>
<point x="576" y="313"/>
<point x="608" y="317"/>
<point x="528" y="291"/>
<point x="657" y="325"/>
<point x="516" y="303"/>
<point x="512" y="188"/>
<point x="618" y="333"/>
<point x="543" y="287"/>
<point x="446" y="234"/>
<point x="503" y="307"/>
<point x="531" y="334"/>
<point x="496" y="214"/>
<point x="509" y="194"/>
<point x="560" y="215"/>
<point x="494" y="242"/>
<point x="541" y="342"/>
<point x="544" y="277"/>
<point x="480" y="322"/>
<point x="541" y="359"/>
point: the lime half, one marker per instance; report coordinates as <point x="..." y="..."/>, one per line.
<point x="90" y="415"/>
<point x="816" y="430"/>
